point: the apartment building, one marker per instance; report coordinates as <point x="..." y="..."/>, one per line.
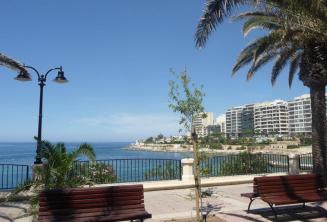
<point x="234" y="121"/>
<point x="271" y="118"/>
<point x="201" y="124"/>
<point x="299" y="114"/>
<point x="247" y="120"/>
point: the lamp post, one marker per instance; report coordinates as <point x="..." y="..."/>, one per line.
<point x="42" y="78"/>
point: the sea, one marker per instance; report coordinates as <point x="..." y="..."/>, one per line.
<point x="115" y="153"/>
<point x="24" y="153"/>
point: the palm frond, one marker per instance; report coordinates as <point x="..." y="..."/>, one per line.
<point x="258" y="22"/>
<point x="84" y="150"/>
<point x="280" y="63"/>
<point x="245" y="57"/>
<point x="258" y="63"/>
<point x="294" y="66"/>
<point x="268" y="42"/>
<point x="214" y="13"/>
<point x="11" y="64"/>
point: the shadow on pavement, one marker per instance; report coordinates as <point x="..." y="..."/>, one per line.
<point x="286" y="214"/>
<point x="6" y="218"/>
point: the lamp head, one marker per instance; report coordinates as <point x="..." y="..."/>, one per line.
<point x="60" y="77"/>
<point x="23" y="77"/>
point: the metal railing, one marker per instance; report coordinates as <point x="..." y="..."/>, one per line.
<point x="306" y="163"/>
<point x="243" y="164"/>
<point x="13" y="175"/>
<point x="129" y="170"/>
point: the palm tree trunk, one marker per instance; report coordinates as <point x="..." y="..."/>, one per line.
<point x="318" y="108"/>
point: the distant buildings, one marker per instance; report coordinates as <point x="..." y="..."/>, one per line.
<point x="202" y="124"/>
<point x="299" y="115"/>
<point x="221" y="122"/>
<point x="278" y="117"/>
<point x="234" y="121"/>
<point x="273" y="118"/>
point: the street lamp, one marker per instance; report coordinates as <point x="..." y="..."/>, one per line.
<point x="42" y="78"/>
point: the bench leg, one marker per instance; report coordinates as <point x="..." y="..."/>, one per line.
<point x="251" y="200"/>
<point x="273" y="209"/>
<point x="303" y="205"/>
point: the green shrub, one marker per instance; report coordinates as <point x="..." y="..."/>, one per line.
<point x="216" y="146"/>
<point x="241" y="148"/>
<point x="244" y="163"/>
<point x="102" y="173"/>
<point x="292" y="146"/>
<point x="164" y="171"/>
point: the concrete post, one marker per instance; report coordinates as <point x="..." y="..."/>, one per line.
<point x="294" y="164"/>
<point x="187" y="166"/>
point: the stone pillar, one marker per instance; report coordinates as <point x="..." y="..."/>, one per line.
<point x="294" y="164"/>
<point x="187" y="166"/>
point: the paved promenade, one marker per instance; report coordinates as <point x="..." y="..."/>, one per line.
<point x="225" y="202"/>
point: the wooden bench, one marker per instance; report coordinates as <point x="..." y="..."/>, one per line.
<point x="112" y="203"/>
<point x="282" y="190"/>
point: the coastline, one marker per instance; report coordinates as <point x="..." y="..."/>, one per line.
<point x="227" y="149"/>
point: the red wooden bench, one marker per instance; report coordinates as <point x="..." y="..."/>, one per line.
<point x="112" y="203"/>
<point x="283" y="190"/>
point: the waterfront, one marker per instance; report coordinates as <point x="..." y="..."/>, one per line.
<point x="24" y="153"/>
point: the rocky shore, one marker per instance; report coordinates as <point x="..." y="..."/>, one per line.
<point x="226" y="149"/>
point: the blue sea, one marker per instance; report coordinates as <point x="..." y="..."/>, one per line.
<point x="24" y="153"/>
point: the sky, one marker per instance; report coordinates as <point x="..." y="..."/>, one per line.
<point x="117" y="56"/>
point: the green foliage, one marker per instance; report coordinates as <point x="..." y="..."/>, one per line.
<point x="305" y="141"/>
<point x="292" y="146"/>
<point x="185" y="99"/>
<point x="215" y="146"/>
<point x="241" y="148"/>
<point x="149" y="140"/>
<point x="101" y="173"/>
<point x="162" y="172"/>
<point x="57" y="172"/>
<point x="160" y="136"/>
<point x="244" y="163"/>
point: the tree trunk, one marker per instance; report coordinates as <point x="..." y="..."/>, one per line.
<point x="197" y="179"/>
<point x="318" y="109"/>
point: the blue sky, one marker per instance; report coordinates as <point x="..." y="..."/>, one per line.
<point x="117" y="56"/>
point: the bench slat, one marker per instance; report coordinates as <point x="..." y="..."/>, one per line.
<point x="86" y="204"/>
<point x="114" y="203"/>
<point x="90" y="210"/>
<point x="130" y="216"/>
<point x="100" y="197"/>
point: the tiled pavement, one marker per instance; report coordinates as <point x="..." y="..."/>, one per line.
<point x="225" y="202"/>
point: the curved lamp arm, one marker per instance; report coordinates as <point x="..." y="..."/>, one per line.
<point x="50" y="70"/>
<point x="34" y="69"/>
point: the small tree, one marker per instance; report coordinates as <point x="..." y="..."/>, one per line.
<point x="186" y="99"/>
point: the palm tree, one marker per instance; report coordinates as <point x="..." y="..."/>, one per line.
<point x="297" y="35"/>
<point x="57" y="171"/>
<point x="59" y="165"/>
<point x="11" y="64"/>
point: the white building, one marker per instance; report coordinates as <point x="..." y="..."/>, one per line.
<point x="299" y="114"/>
<point x="221" y="122"/>
<point x="300" y="119"/>
<point x="234" y="121"/>
<point x="271" y="118"/>
<point x="201" y="123"/>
